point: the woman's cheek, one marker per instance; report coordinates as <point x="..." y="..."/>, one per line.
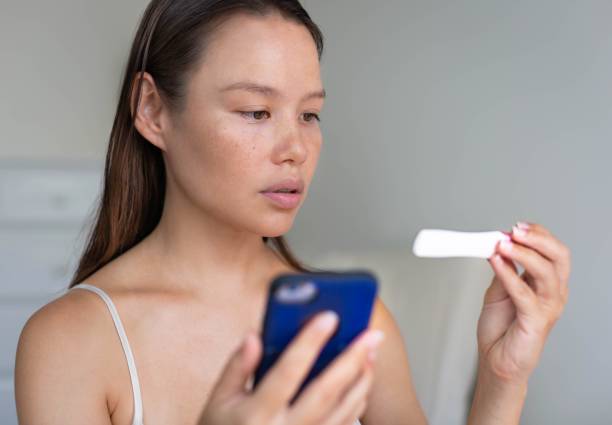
<point x="313" y="155"/>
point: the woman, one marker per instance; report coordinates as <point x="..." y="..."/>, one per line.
<point x="219" y="111"/>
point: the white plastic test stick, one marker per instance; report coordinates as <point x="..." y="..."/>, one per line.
<point x="436" y="243"/>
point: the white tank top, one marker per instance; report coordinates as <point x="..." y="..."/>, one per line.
<point x="137" y="420"/>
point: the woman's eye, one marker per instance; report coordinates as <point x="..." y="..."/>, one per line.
<point x="312" y="115"/>
<point x="258" y="115"/>
<point x="254" y="114"/>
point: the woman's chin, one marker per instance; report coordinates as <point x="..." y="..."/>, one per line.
<point x="274" y="230"/>
<point x="275" y="234"/>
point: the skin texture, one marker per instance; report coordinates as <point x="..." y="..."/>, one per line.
<point x="191" y="295"/>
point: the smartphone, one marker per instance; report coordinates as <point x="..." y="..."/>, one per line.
<point x="293" y="299"/>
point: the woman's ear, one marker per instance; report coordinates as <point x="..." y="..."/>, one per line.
<point x="148" y="119"/>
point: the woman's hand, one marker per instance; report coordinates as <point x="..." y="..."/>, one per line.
<point x="519" y="311"/>
<point x="336" y="397"/>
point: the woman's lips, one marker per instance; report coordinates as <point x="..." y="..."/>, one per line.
<point x="284" y="200"/>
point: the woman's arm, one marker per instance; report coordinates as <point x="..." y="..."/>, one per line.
<point x="58" y="364"/>
<point x="496" y="402"/>
<point x="392" y="398"/>
<point x="518" y="314"/>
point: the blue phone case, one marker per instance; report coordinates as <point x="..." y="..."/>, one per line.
<point x="293" y="299"/>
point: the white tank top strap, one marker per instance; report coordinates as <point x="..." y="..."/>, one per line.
<point x="137" y="420"/>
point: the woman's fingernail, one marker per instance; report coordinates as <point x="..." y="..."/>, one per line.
<point x="374" y="338"/>
<point x="522" y="225"/>
<point x="327" y="320"/>
<point x="372" y="355"/>
<point x="497" y="259"/>
<point x="505" y="245"/>
<point x="245" y="343"/>
<point x="517" y="231"/>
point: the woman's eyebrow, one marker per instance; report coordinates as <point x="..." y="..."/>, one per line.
<point x="267" y="90"/>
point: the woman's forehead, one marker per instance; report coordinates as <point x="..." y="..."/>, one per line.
<point x="261" y="48"/>
<point x="272" y="57"/>
<point x="252" y="86"/>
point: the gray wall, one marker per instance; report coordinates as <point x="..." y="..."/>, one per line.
<point x="60" y="75"/>
<point x="456" y="114"/>
<point x="472" y="115"/>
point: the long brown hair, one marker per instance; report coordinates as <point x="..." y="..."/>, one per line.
<point x="170" y="40"/>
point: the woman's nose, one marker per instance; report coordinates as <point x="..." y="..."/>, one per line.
<point x="291" y="145"/>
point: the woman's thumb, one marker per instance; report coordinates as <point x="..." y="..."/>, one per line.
<point x="496" y="291"/>
<point x="239" y="368"/>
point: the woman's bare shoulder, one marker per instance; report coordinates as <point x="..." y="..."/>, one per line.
<point x="60" y="360"/>
<point x="67" y="315"/>
<point x="393" y="395"/>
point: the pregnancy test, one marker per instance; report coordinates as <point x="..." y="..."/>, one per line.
<point x="436" y="243"/>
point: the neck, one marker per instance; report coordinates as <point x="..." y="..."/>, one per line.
<point x="199" y="253"/>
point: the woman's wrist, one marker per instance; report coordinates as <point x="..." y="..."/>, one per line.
<point x="496" y="401"/>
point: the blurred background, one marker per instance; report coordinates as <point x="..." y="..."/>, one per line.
<point x="466" y="115"/>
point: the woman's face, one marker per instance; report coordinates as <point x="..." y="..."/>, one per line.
<point x="231" y="143"/>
